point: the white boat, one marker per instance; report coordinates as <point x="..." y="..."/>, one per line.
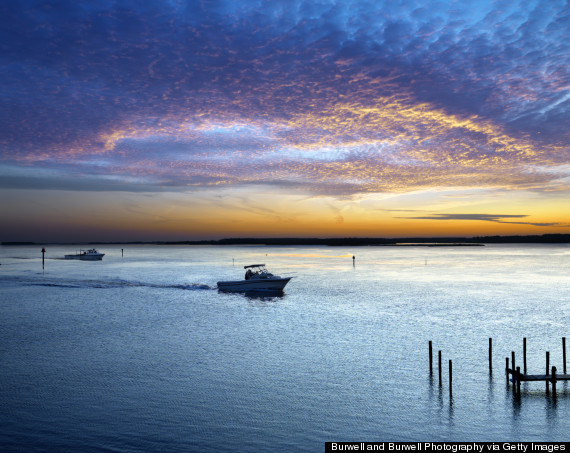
<point x="86" y="255"/>
<point x="257" y="278"/>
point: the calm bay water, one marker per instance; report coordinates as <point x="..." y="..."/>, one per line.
<point x="141" y="352"/>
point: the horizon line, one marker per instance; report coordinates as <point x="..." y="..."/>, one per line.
<point x="469" y="240"/>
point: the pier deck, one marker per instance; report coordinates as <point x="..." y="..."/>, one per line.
<point x="538" y="377"/>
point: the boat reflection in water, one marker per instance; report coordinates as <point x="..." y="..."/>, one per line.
<point x="257" y="280"/>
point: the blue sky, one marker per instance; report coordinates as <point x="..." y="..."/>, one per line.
<point x="343" y="108"/>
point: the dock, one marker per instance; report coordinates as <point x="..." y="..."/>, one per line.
<point x="518" y="377"/>
<point x="550" y="377"/>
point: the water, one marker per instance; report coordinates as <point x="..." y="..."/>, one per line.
<point x="141" y="352"/>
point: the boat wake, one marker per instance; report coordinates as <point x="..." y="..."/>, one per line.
<point x="192" y="287"/>
<point x="116" y="283"/>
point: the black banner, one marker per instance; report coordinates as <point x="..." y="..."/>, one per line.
<point x="449" y="447"/>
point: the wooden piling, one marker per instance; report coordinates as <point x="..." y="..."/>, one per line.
<point x="547" y="368"/>
<point x="518" y="380"/>
<point x="490" y="356"/>
<point x="507" y="369"/>
<point x="439" y="360"/>
<point x="524" y="354"/>
<point x="450" y="377"/>
<point x="564" y="353"/>
<point x="514" y="369"/>
<point x="513" y="358"/>
<point x="553" y="381"/>
<point x="430" y="359"/>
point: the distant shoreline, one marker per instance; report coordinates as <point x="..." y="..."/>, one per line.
<point x="413" y="241"/>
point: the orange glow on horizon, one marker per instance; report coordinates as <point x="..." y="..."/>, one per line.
<point x="173" y="218"/>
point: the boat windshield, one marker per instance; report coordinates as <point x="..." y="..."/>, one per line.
<point x="256" y="271"/>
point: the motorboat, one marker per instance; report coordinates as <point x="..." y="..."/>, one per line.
<point x="86" y="255"/>
<point x="257" y="278"/>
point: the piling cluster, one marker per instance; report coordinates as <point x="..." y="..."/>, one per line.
<point x="550" y="377"/>
<point x="440" y="368"/>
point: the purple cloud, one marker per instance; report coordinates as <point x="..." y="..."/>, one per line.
<point x="350" y="97"/>
<point x="498" y="218"/>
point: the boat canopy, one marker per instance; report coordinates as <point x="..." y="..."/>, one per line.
<point x="254" y="265"/>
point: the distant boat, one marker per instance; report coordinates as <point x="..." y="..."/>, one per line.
<point x="257" y="278"/>
<point x="86" y="255"/>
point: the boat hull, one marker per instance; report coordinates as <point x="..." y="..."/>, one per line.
<point x="269" y="285"/>
<point x="97" y="257"/>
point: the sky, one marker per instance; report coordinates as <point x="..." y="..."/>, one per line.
<point x="206" y="119"/>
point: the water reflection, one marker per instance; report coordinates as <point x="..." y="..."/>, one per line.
<point x="551" y="408"/>
<point x="265" y="296"/>
<point x="490" y="395"/>
<point x="450" y="410"/>
<point x="529" y="395"/>
<point x="440" y="398"/>
<point x="257" y="295"/>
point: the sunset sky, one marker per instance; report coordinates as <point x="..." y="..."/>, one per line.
<point x="205" y="119"/>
